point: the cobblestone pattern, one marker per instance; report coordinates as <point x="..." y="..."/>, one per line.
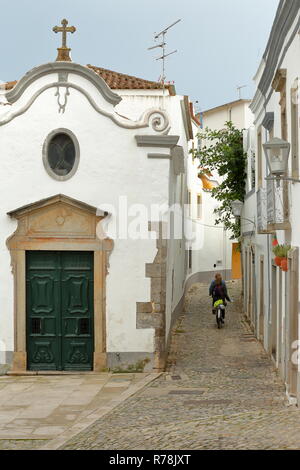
<point x="221" y="391"/>
<point x="21" y="444"/>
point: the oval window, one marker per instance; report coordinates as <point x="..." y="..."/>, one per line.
<point x="61" y="154"/>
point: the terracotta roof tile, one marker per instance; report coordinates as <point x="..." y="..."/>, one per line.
<point x="119" y="81"/>
<point x="10" y="85"/>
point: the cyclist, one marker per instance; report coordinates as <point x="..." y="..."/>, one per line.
<point x="218" y="291"/>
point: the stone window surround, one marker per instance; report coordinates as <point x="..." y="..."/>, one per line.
<point x="49" y="170"/>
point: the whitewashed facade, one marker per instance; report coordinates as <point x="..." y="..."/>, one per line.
<point x="213" y="249"/>
<point x="271" y="210"/>
<point x="131" y="153"/>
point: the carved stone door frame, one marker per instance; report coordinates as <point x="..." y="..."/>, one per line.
<point x="58" y="223"/>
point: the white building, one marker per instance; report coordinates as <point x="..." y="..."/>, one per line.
<point x="271" y="209"/>
<point x="84" y="152"/>
<point x="213" y="251"/>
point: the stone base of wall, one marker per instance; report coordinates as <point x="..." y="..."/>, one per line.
<point x="6" y="358"/>
<point x="116" y="361"/>
<point x="130" y="361"/>
<point x="4" y="368"/>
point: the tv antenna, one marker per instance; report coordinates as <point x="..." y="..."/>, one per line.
<point x="239" y="90"/>
<point x="162" y="45"/>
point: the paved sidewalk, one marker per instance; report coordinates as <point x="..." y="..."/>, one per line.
<point x="45" y="411"/>
<point x="221" y="392"/>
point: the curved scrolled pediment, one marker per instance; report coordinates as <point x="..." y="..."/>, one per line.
<point x="62" y="69"/>
<point x="156" y="119"/>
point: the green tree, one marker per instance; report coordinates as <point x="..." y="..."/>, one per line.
<point x="224" y="153"/>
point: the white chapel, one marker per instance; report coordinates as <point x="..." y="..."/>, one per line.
<point x="84" y="152"/>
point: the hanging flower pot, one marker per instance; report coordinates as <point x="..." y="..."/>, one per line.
<point x="278" y="260"/>
<point x="285" y="265"/>
<point x="281" y="253"/>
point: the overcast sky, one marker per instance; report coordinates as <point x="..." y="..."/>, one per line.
<point x="219" y="42"/>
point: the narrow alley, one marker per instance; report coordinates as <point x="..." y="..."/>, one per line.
<point x="221" y="392"/>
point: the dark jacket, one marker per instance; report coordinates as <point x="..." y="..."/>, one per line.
<point x="216" y="295"/>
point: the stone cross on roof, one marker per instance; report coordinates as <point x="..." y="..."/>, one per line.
<point x="64" y="51"/>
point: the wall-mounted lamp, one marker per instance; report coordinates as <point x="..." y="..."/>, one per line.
<point x="237" y="209"/>
<point x="277" y="153"/>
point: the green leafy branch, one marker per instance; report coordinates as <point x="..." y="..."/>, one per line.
<point x="224" y="153"/>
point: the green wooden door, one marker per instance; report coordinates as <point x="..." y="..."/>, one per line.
<point x="59" y="310"/>
<point x="43" y="311"/>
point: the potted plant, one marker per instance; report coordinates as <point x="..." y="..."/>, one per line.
<point x="284" y="265"/>
<point x="284" y="262"/>
<point x="279" y="254"/>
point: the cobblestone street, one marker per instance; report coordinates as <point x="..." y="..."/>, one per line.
<point x="221" y="391"/>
